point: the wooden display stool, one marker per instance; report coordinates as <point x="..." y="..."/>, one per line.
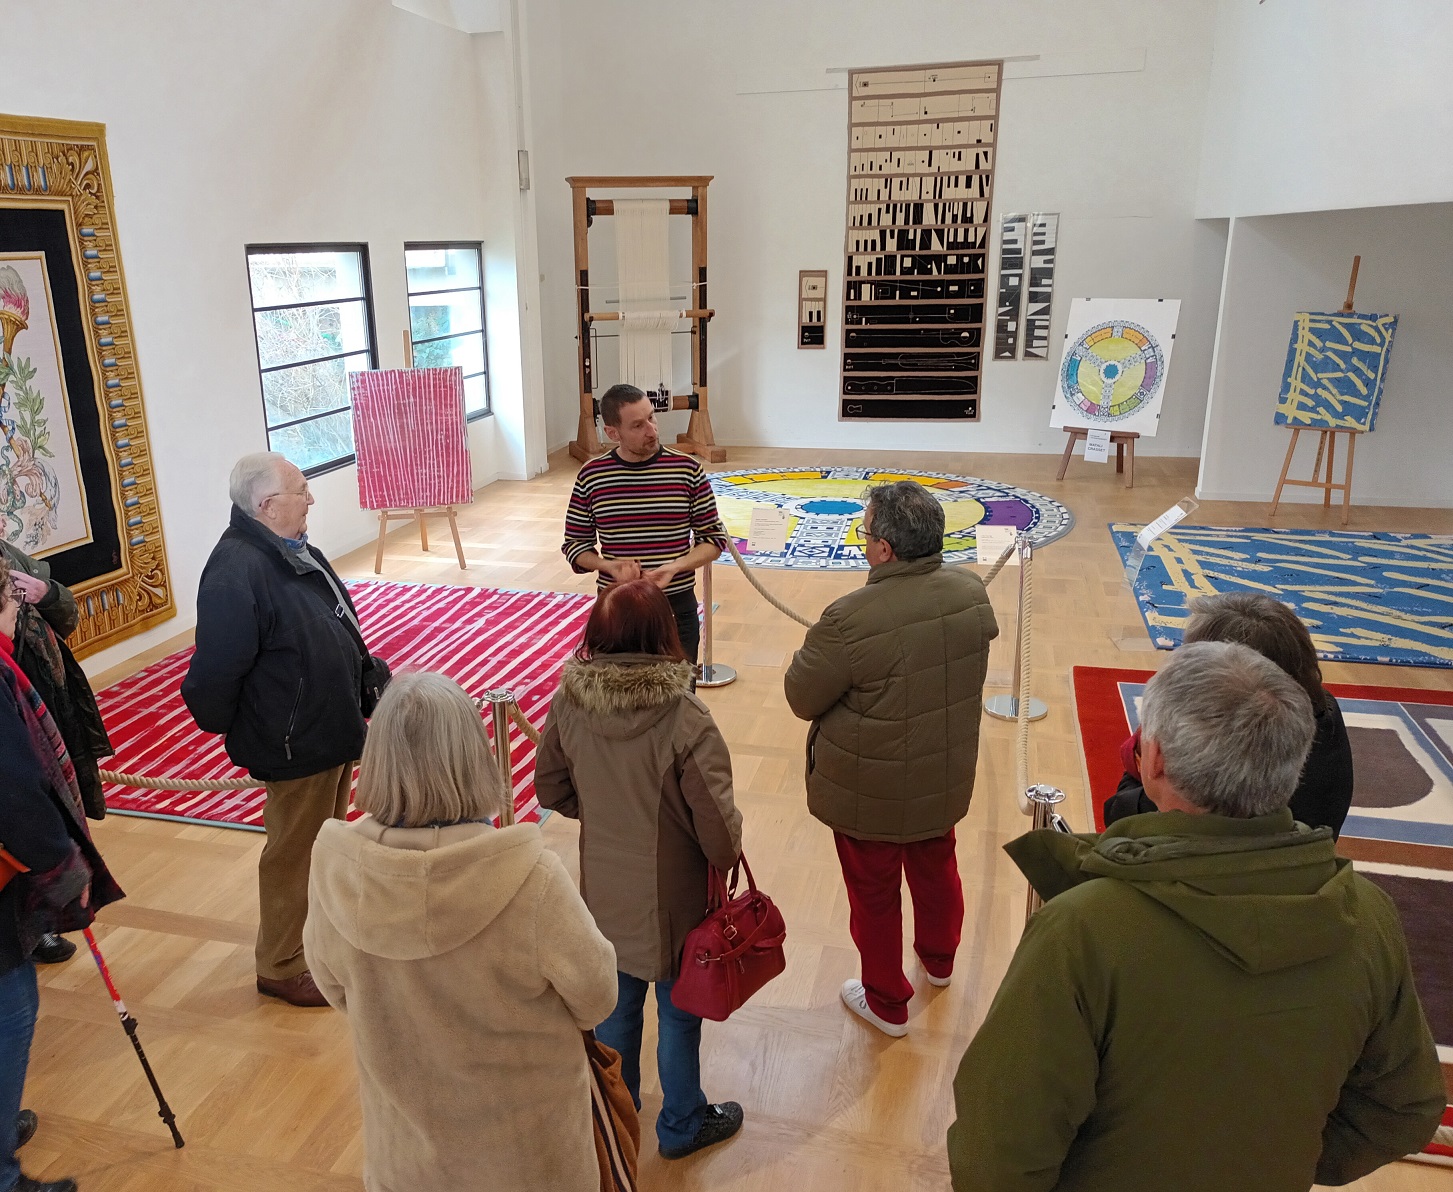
<point x="1121" y="438"/>
<point x="387" y="515"/>
<point x="1326" y="448"/>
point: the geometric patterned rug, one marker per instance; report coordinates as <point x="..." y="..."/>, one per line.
<point x="1365" y="597"/>
<point x="480" y="637"/>
<point x="1399" y="832"/>
<point x="824" y="508"/>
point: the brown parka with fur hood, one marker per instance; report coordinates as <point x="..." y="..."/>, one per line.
<point x="631" y="753"/>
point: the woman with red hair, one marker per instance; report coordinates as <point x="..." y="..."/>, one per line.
<point x="635" y="756"/>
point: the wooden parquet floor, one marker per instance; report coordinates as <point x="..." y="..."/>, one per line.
<point x="265" y="1093"/>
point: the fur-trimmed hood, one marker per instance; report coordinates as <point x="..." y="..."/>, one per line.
<point x="625" y="694"/>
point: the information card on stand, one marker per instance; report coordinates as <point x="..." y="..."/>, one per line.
<point x="993" y="541"/>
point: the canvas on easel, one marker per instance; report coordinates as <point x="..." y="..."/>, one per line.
<point x="413" y="447"/>
<point x="1336" y="368"/>
<point x="1112" y="376"/>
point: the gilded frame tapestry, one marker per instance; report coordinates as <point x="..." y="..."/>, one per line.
<point x="76" y="481"/>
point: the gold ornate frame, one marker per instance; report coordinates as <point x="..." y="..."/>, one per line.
<point x="62" y="165"/>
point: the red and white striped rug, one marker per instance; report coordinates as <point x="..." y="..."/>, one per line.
<point x="480" y="637"/>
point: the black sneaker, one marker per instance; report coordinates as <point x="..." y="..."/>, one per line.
<point x="722" y="1121"/>
<point x="26" y="1124"/>
<point x="26" y="1184"/>
<point x="53" y="949"/>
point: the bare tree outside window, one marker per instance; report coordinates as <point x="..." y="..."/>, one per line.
<point x="446" y="315"/>
<point x="312" y="315"/>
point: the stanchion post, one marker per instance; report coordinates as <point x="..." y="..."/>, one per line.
<point x="499" y="700"/>
<point x="1006" y="707"/>
<point x="713" y="674"/>
<point x="1042" y="800"/>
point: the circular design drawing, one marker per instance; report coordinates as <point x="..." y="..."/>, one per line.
<point x="824" y="508"/>
<point x="1113" y="370"/>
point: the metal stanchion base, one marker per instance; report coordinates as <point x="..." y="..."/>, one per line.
<point x="1006" y="707"/>
<point x="716" y="674"/>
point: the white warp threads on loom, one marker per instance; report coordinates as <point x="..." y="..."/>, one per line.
<point x="643" y="264"/>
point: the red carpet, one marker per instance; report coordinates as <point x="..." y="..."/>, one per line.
<point x="480" y="637"/>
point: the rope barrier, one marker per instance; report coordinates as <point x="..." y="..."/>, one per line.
<point x="532" y="734"/>
<point x="147" y="782"/>
<point x="1021" y="720"/>
<point x="798" y="617"/>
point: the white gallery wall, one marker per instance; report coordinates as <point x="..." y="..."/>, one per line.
<point x="1102" y="127"/>
<point x="1280" y="264"/>
<point x="278" y="121"/>
<point x="1323" y="104"/>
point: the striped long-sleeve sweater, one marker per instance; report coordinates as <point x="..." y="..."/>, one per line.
<point x="653" y="511"/>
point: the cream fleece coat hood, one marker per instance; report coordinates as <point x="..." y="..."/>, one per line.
<point x="401" y="903"/>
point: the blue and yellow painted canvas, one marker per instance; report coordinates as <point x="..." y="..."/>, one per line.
<point x="1335" y="369"/>
<point x="1365" y="597"/>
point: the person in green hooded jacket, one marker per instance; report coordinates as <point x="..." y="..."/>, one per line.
<point x="1210" y="998"/>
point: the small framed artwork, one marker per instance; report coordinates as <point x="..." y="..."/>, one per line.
<point x="812" y="308"/>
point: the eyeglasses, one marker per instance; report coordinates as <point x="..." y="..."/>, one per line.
<point x="305" y="494"/>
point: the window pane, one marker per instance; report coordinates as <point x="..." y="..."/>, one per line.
<point x="307" y="332"/>
<point x="467" y="351"/>
<point x="321" y="441"/>
<point x="443" y="314"/>
<point x="307" y="389"/>
<point x="441" y="268"/>
<point x="475" y="396"/>
<point x="279" y="277"/>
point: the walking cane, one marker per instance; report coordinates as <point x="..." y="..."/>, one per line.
<point x="128" y="1024"/>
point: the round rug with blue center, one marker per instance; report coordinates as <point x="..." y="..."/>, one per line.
<point x="824" y="508"/>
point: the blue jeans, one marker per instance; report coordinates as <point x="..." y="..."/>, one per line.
<point x="19" y="1003"/>
<point x="678" y="1057"/>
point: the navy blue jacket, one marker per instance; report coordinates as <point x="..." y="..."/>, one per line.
<point x="276" y="669"/>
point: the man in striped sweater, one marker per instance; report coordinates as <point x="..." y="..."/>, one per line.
<point x="644" y="510"/>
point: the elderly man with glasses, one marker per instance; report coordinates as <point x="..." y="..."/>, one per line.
<point x="282" y="670"/>
<point x="892" y="678"/>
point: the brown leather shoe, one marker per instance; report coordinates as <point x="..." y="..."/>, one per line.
<point x="296" y="991"/>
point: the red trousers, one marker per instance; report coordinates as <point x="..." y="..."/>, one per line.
<point x="873" y="872"/>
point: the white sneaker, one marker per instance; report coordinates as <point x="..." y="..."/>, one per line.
<point x="855" y="998"/>
<point x="938" y="982"/>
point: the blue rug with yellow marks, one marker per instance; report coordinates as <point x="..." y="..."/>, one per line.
<point x="1365" y="597"/>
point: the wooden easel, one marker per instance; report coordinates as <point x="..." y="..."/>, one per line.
<point x="387" y="515"/>
<point x="1124" y="441"/>
<point x="699" y="439"/>
<point x="1326" y="445"/>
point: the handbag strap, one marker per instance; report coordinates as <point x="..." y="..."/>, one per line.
<point x="751" y="939"/>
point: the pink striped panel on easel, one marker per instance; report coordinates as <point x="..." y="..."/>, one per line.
<point x="410" y="437"/>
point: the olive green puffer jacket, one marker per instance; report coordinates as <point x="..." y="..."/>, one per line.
<point x="892" y="678"/>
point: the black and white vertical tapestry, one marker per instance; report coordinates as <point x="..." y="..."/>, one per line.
<point x="920" y="187"/>
<point x="1026" y="285"/>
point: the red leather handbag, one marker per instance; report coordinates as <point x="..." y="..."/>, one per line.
<point x="733" y="952"/>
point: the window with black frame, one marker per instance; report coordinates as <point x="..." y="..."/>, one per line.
<point x="446" y="315"/>
<point x="312" y="312"/>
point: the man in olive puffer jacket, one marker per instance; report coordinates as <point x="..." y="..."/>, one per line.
<point x="892" y="678"/>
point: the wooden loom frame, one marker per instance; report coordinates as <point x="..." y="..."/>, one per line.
<point x="699" y="439"/>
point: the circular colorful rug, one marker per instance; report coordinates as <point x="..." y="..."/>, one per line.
<point x="824" y="508"/>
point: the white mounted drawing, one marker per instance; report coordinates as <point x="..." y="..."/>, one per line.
<point x="1116" y="360"/>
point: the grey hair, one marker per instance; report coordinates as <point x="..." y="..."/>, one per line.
<point x="426" y="759"/>
<point x="1234" y="728"/>
<point x="252" y="476"/>
<point x="907" y="518"/>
